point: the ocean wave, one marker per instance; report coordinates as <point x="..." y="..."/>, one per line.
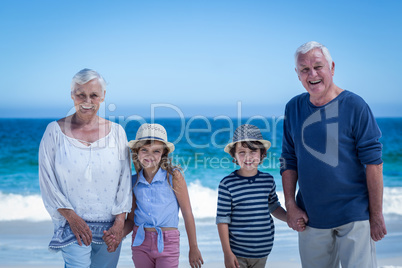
<point x="203" y="203"/>
<point x="19" y="207"/>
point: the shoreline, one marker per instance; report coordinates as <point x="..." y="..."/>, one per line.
<point x="24" y="244"/>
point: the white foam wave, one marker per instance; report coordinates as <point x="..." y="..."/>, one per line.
<point x="392" y="203"/>
<point x="203" y="202"/>
<point x="19" y="207"/>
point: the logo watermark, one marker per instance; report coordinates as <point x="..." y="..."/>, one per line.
<point x="189" y="132"/>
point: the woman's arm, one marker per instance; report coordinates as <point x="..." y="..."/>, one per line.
<point x="56" y="203"/>
<point x="181" y="192"/>
<point x="111" y="239"/>
<point x="50" y="186"/>
<point x="123" y="200"/>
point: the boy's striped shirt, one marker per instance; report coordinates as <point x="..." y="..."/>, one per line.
<point x="245" y="203"/>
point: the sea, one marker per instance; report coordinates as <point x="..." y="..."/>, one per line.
<point x="199" y="143"/>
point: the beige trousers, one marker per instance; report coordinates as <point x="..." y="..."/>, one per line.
<point x="251" y="263"/>
<point x="349" y="245"/>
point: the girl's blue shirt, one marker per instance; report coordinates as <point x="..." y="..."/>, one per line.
<point x="157" y="205"/>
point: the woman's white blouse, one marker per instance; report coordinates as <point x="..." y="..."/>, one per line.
<point x="94" y="181"/>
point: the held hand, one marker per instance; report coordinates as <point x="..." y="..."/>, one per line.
<point x="301" y="224"/>
<point x="195" y="258"/>
<point x="231" y="261"/>
<point x="296" y="219"/>
<point x="377" y="227"/>
<point x="113" y="236"/>
<point x="110" y="241"/>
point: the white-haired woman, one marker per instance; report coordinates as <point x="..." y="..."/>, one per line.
<point x="85" y="177"/>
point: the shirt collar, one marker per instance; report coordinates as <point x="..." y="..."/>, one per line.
<point x="159" y="176"/>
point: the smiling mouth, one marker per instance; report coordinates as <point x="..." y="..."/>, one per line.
<point x="87" y="107"/>
<point x="315" y="82"/>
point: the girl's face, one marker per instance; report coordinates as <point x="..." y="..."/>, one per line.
<point x="247" y="159"/>
<point x="150" y="155"/>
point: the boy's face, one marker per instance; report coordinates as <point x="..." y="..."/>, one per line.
<point x="247" y="159"/>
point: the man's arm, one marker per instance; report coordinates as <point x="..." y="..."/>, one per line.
<point x="289" y="180"/>
<point x="375" y="190"/>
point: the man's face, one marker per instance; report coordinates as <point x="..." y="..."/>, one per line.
<point x="314" y="73"/>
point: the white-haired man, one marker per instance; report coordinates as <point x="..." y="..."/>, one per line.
<point x="331" y="149"/>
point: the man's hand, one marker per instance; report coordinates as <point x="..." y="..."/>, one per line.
<point x="295" y="217"/>
<point x="377" y="227"/>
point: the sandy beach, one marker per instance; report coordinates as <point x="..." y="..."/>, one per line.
<point x="24" y="244"/>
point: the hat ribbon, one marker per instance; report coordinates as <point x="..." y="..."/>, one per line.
<point x="151" y="137"/>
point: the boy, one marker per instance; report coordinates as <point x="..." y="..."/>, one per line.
<point x="246" y="199"/>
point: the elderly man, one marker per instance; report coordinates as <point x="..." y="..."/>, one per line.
<point x="331" y="149"/>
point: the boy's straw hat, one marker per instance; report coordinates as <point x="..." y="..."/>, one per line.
<point x="153" y="132"/>
<point x="247" y="133"/>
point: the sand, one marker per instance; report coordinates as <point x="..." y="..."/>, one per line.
<point x="24" y="244"/>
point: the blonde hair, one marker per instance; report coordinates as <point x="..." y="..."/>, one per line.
<point x="165" y="163"/>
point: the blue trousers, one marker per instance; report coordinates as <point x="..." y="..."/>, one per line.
<point x="92" y="256"/>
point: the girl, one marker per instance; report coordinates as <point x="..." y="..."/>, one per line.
<point x="159" y="189"/>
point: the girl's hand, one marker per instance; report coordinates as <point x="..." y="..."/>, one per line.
<point x="195" y="258"/>
<point x="231" y="261"/>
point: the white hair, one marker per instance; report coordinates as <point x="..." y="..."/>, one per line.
<point x="86" y="75"/>
<point x="303" y="49"/>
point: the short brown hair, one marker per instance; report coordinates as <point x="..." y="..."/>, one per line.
<point x="252" y="145"/>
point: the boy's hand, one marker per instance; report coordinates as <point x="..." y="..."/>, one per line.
<point x="302" y="224"/>
<point x="231" y="261"/>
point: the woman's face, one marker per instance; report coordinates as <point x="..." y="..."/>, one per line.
<point x="88" y="97"/>
<point x="150" y="155"/>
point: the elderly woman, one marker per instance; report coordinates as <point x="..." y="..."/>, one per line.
<point x="85" y="177"/>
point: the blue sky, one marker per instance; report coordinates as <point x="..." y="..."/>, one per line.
<point x="199" y="57"/>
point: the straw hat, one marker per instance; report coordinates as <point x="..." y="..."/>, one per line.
<point x="152" y="132"/>
<point x="247" y="133"/>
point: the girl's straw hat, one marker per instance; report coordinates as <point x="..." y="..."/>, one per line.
<point x="247" y="133"/>
<point x="153" y="132"/>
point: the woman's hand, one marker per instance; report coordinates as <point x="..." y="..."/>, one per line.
<point x="114" y="235"/>
<point x="78" y="226"/>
